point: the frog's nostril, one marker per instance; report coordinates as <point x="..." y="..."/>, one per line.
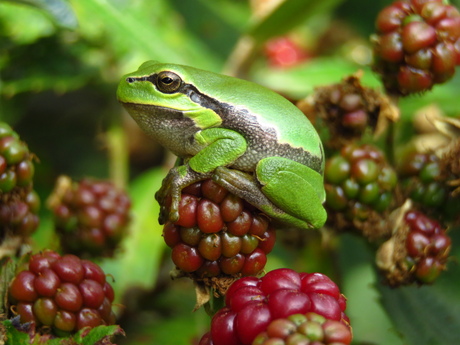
<point x="130" y="80"/>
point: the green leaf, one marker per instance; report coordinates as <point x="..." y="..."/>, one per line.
<point x="149" y="30"/>
<point x="100" y="334"/>
<point x="138" y="260"/>
<point x="299" y="81"/>
<point x="288" y="15"/>
<point x="59" y="10"/>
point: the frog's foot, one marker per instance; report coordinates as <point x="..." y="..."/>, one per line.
<point x="248" y="188"/>
<point x="169" y="195"/>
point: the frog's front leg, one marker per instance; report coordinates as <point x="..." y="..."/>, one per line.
<point x="177" y="179"/>
<point x="218" y="147"/>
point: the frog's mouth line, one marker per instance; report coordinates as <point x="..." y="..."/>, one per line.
<point x="136" y="109"/>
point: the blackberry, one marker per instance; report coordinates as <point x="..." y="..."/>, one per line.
<point x="359" y="186"/>
<point x="348" y="109"/>
<point x="417" y="251"/>
<point x="91" y="216"/>
<point x="427" y="180"/>
<point x="218" y="234"/>
<point x="62" y="293"/>
<point x="19" y="203"/>
<point x="416" y="45"/>
<point x="253" y="304"/>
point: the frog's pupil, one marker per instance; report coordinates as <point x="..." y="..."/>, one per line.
<point x="167" y="80"/>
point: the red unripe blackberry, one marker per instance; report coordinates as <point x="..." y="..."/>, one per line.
<point x="416" y="45"/>
<point x="63" y="293"/>
<point x="91" y="217"/>
<point x="254" y="306"/>
<point x="218" y="234"/>
<point x="427" y="245"/>
<point x="418" y="249"/>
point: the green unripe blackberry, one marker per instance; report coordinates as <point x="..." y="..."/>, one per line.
<point x="359" y="183"/>
<point x="416" y="45"/>
<point x="91" y="216"/>
<point x="309" y="328"/>
<point x="426" y="180"/>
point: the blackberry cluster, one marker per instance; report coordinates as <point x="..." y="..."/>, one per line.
<point x="19" y="203"/>
<point x="426" y="180"/>
<point x="91" y="216"/>
<point x="358" y="181"/>
<point x="347" y="109"/>
<point x="218" y="234"/>
<point x="252" y="305"/>
<point x="417" y="251"/>
<point x="63" y="293"/>
<point x="427" y="246"/>
<point x="416" y="45"/>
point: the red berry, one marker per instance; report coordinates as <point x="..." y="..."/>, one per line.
<point x="92" y="293"/>
<point x="209" y="217"/>
<point x="187" y="211"/>
<point x="22" y="287"/>
<point x="47" y="283"/>
<point x="68" y="297"/>
<point x="69" y="269"/>
<point x="187" y="258"/>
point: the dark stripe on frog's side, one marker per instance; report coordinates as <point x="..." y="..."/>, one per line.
<point x="261" y="143"/>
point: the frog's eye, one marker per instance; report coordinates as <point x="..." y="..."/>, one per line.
<point x="168" y="82"/>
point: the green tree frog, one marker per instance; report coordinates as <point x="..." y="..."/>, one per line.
<point x="248" y="139"/>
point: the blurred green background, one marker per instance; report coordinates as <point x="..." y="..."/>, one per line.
<point x="60" y="62"/>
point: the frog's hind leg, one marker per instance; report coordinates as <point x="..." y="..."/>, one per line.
<point x="298" y="189"/>
<point x="248" y="188"/>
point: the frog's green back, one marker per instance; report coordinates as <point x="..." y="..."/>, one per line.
<point x="272" y="109"/>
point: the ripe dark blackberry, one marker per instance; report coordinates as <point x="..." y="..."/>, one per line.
<point x="91" y="216"/>
<point x="416" y="45"/>
<point x="218" y="234"/>
<point x="417" y="251"/>
<point x="252" y="304"/>
<point x="359" y="186"/>
<point x="19" y="202"/>
<point x="62" y="293"/>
